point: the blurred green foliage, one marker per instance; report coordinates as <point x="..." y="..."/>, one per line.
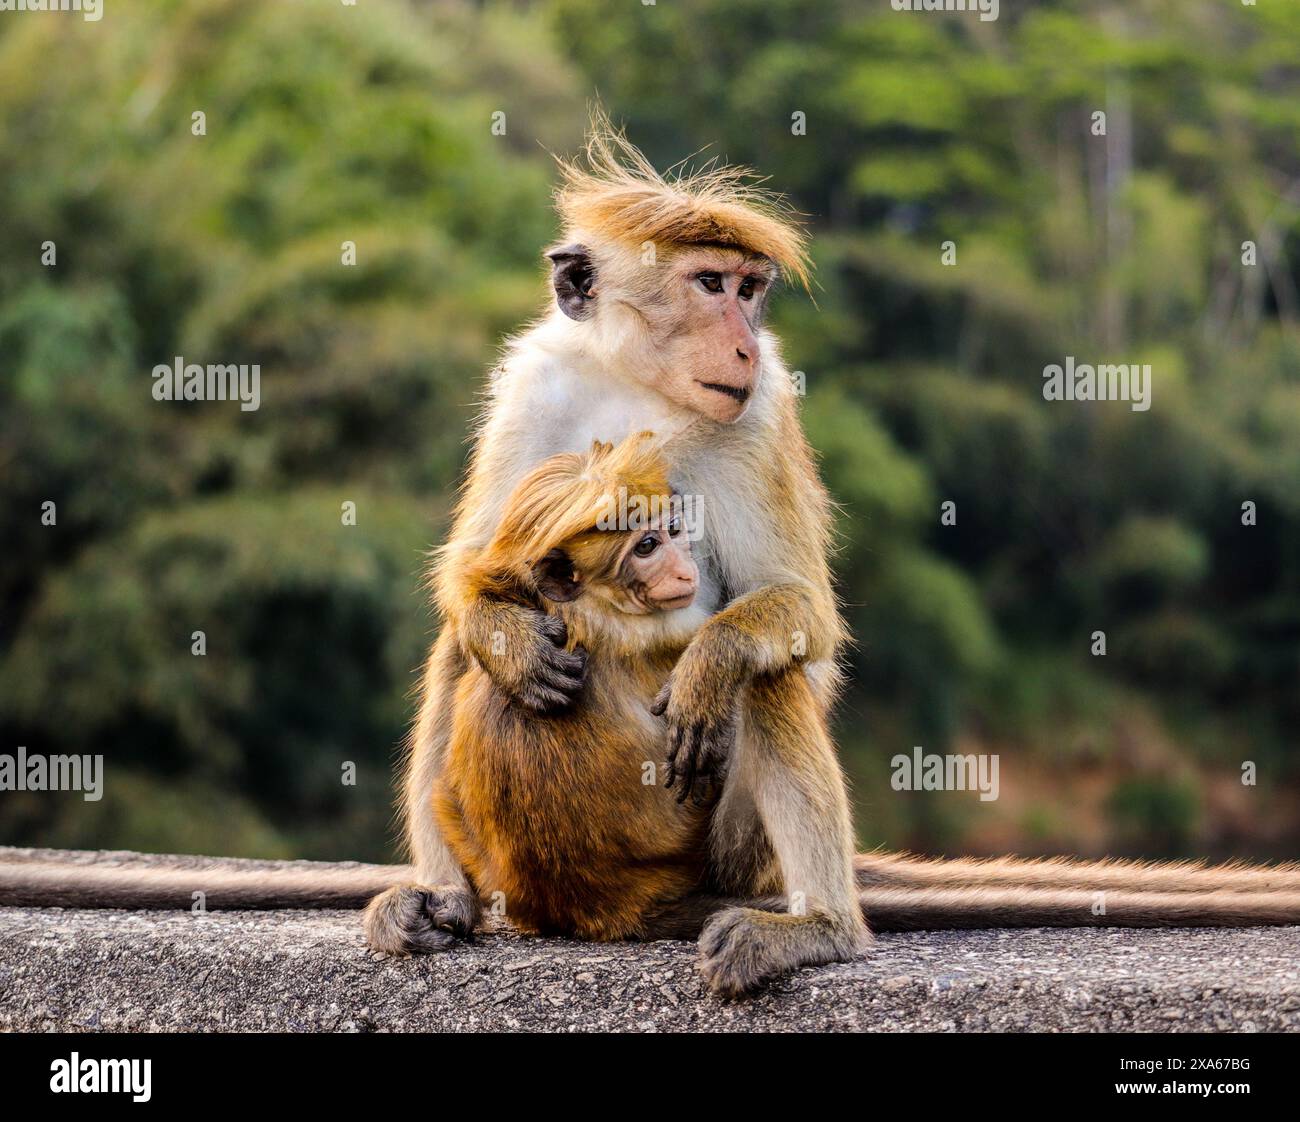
<point x="373" y="124"/>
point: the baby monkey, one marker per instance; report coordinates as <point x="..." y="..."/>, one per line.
<point x="564" y="820"/>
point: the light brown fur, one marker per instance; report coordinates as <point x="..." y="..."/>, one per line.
<point x="614" y="194"/>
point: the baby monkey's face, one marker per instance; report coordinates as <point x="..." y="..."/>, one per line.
<point x="637" y="571"/>
<point x="656" y="572"/>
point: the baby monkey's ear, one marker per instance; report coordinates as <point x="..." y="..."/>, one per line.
<point x="556" y="578"/>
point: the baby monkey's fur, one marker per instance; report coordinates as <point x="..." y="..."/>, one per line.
<point x="563" y="818"/>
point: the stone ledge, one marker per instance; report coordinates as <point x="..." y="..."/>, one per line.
<point x="310" y="971"/>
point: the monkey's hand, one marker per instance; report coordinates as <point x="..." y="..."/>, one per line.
<point x="700" y="702"/>
<point x="417" y="919"/>
<point x="522" y="651"/>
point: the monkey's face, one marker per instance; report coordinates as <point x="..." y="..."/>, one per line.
<point x="710" y="356"/>
<point x="656" y="571"/>
<point x="685" y="323"/>
<point x="650" y="570"/>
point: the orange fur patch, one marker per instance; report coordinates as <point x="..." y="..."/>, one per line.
<point x="614" y="192"/>
<point x="563" y="499"/>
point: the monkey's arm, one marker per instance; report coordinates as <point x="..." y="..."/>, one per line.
<point x="762" y="632"/>
<point x="519" y="647"/>
<point x="785" y="613"/>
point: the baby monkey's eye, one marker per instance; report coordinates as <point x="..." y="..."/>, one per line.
<point x="646" y="546"/>
<point x="746" y="289"/>
<point x="675" y="526"/>
<point x="712" y="282"/>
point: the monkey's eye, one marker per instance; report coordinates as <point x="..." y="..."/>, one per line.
<point x="711" y="282"/>
<point x="746" y="289"/>
<point x="675" y="526"/>
<point x="646" y="546"/>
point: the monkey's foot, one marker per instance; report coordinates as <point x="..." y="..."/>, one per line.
<point x="741" y="949"/>
<point x="417" y="919"/>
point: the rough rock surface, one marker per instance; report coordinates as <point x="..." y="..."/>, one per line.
<point x="311" y="971"/>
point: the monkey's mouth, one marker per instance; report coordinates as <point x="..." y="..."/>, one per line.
<point x="676" y="602"/>
<point x="736" y="393"/>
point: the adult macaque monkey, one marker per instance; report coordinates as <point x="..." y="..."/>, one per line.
<point x="660" y="290"/>
<point x="657" y="324"/>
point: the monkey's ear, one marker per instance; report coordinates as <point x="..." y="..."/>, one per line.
<point x="574" y="279"/>
<point x="555" y="577"/>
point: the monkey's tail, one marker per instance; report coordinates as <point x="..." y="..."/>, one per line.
<point x="901" y="870"/>
<point x="37" y="883"/>
<point x="937" y="909"/>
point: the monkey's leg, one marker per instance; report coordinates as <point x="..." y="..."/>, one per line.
<point x="784" y="766"/>
<point x="893" y="870"/>
<point x="430" y="914"/>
